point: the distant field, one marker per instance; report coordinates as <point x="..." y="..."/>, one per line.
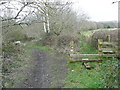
<point x="90" y="33"/>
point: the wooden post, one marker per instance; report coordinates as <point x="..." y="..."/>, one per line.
<point x="108" y="38"/>
<point x="71" y="49"/>
<point x="99" y="48"/>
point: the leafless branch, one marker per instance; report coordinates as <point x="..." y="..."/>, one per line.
<point x="3" y="3"/>
<point x="14" y="24"/>
<point x="26" y="16"/>
<point x="39" y="6"/>
<point x="28" y="3"/>
<point x="115" y="2"/>
<point x="22" y="23"/>
<point x="9" y="19"/>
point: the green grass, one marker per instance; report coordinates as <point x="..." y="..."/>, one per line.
<point x="101" y="76"/>
<point x="29" y="50"/>
<point x="88" y="34"/>
<point x="38" y="47"/>
<point x="18" y="68"/>
<point x="82" y="78"/>
<point x="21" y="73"/>
<point x="86" y="48"/>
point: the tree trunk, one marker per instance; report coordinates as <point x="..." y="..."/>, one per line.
<point x="46" y="19"/>
<point x="48" y="25"/>
<point x="45" y="30"/>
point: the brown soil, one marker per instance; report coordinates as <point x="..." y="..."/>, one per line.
<point x="49" y="71"/>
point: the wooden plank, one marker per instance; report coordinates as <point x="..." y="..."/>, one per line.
<point x="110" y="46"/>
<point x="108" y="49"/>
<point x="99" y="47"/>
<point x="87" y="66"/>
<point x="110" y="52"/>
<point x="108" y="43"/>
<point x="93" y="55"/>
<point x="85" y="61"/>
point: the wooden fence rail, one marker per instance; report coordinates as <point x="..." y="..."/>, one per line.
<point x="85" y="61"/>
<point x="93" y="55"/>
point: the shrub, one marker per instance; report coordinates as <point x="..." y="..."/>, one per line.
<point x="10" y="55"/>
<point x="10" y="49"/>
<point x="64" y="40"/>
<point x="17" y="36"/>
<point x="61" y="42"/>
<point x="103" y="35"/>
<point x="14" y="36"/>
<point x="47" y="39"/>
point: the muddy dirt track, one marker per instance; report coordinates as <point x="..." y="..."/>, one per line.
<point x="49" y="71"/>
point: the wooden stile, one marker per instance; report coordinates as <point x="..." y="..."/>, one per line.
<point x="105" y="49"/>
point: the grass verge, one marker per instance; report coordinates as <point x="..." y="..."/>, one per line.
<point x="37" y="47"/>
<point x="17" y="68"/>
<point x="102" y="76"/>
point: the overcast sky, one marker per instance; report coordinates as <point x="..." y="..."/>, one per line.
<point x="98" y="10"/>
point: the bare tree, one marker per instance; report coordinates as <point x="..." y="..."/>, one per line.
<point x="22" y="14"/>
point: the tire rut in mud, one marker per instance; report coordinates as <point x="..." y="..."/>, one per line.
<point x="48" y="68"/>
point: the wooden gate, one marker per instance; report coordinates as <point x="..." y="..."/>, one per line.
<point x="105" y="49"/>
